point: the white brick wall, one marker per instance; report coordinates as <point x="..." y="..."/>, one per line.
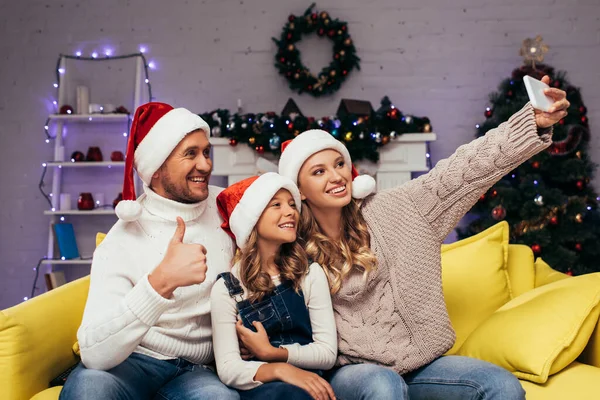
<point x="432" y="57"/>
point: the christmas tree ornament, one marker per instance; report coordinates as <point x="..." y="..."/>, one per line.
<point x="533" y="50"/>
<point x="252" y="140"/>
<point x="393" y="135"/>
<point x="260" y="149"/>
<point x="385" y="139"/>
<point x="493" y="193"/>
<point x="233" y="142"/>
<point x="580" y="184"/>
<point x="536" y="248"/>
<point x="427" y="128"/>
<point x="578" y="246"/>
<point x="569" y="272"/>
<point x="85" y="202"/>
<point x="582" y="110"/>
<point x="408" y="119"/>
<point x="539" y="200"/>
<point x="348" y="136"/>
<point x="554" y="220"/>
<point x="361" y="135"/>
<point x="215" y="131"/>
<point x="535" y="164"/>
<point x="499" y="213"/>
<point x="488" y="112"/>
<point x="274" y="142"/>
<point x="579" y="218"/>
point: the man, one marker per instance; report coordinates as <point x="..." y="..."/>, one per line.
<point x="146" y="330"/>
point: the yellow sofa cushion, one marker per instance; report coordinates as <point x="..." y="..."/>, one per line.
<point x="540" y="332"/>
<point x="475" y="280"/>
<point x="577" y="381"/>
<point x="521" y="270"/>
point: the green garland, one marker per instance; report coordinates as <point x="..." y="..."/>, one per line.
<point x="289" y="63"/>
<point x="362" y="135"/>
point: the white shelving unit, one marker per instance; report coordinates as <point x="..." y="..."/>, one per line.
<point x="63" y="127"/>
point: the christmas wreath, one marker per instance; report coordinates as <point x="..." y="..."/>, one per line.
<point x="289" y="62"/>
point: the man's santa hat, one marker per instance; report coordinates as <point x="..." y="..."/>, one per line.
<point x="156" y="129"/>
<point x="242" y="203"/>
<point x="295" y="152"/>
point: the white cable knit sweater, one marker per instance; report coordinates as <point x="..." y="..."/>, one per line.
<point x="124" y="314"/>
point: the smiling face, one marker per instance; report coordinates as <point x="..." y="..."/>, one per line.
<point x="279" y="221"/>
<point x="325" y="180"/>
<point x="184" y="175"/>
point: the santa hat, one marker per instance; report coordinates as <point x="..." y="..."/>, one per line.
<point x="242" y="203"/>
<point x="295" y="152"/>
<point x="156" y="129"/>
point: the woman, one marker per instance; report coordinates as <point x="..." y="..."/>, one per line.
<point x="273" y="301"/>
<point x="382" y="258"/>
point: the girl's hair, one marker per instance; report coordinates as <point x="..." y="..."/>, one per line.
<point x="291" y="260"/>
<point x="338" y="259"/>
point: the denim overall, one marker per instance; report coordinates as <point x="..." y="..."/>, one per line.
<point x="282" y="312"/>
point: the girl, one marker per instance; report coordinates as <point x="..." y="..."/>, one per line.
<point x="382" y="258"/>
<point x="278" y="305"/>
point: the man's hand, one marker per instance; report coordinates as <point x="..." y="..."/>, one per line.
<point x="558" y="110"/>
<point x="183" y="265"/>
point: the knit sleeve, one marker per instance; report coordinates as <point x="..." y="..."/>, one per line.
<point x="232" y="369"/>
<point x="449" y="190"/>
<point x="119" y="311"/>
<point x="322" y="352"/>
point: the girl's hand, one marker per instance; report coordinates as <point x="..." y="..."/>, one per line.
<point x="558" y="110"/>
<point x="316" y="386"/>
<point x="256" y="343"/>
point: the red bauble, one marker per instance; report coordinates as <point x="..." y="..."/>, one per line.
<point x="561" y="121"/>
<point x="260" y="149"/>
<point x="569" y="272"/>
<point x="584" y="119"/>
<point x="117" y="156"/>
<point x="321" y="32"/>
<point x="94" y="154"/>
<point x="233" y="142"/>
<point x="289" y="36"/>
<point x="556" y="83"/>
<point x="313" y="15"/>
<point x="580" y="185"/>
<point x="331" y="33"/>
<point x="535" y="164"/>
<point x="282" y="60"/>
<point x="488" y="113"/>
<point x="117" y="200"/>
<point x="343" y="28"/>
<point x="493" y="193"/>
<point x="394" y="113"/>
<point x="554" y="220"/>
<point x="509" y="93"/>
<point x="291" y="18"/>
<point x="290" y="126"/>
<point x="583" y="110"/>
<point x="311" y="120"/>
<point x="344" y="72"/>
<point x="578" y="247"/>
<point x="482" y="197"/>
<point x="85" y="202"/>
<point x="499" y="213"/>
<point x="309" y="87"/>
<point x="66" y="109"/>
<point x="536" y="248"/>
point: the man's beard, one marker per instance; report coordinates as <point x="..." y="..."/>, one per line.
<point x="180" y="193"/>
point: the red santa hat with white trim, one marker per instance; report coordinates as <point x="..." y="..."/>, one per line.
<point x="242" y="203"/>
<point x="296" y="151"/>
<point x="156" y="129"/>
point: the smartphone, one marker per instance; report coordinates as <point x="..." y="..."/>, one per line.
<point x="535" y="91"/>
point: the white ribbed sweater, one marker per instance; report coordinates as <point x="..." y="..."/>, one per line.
<point x="124" y="314"/>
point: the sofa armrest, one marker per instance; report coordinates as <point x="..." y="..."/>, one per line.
<point x="36" y="339"/>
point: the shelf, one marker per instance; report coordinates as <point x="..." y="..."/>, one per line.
<point x="82" y="262"/>
<point x="79" y="164"/>
<point x="78" y="212"/>
<point x="89" y="117"/>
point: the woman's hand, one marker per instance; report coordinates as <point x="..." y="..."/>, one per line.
<point x="316" y="386"/>
<point x="557" y="111"/>
<point x="257" y="344"/>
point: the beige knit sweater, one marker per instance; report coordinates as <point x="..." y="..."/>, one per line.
<point x="397" y="317"/>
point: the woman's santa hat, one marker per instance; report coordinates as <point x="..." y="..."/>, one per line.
<point x="295" y="152"/>
<point x="156" y="129"/>
<point x="242" y="203"/>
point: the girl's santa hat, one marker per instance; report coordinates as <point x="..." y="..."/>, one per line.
<point x="242" y="203"/>
<point x="156" y="129"/>
<point x="296" y="151"/>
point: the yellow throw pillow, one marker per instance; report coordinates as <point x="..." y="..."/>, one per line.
<point x="475" y="280"/>
<point x="540" y="332"/>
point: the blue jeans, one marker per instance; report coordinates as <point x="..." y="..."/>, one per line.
<point x="143" y="377"/>
<point x="275" y="390"/>
<point x="446" y="378"/>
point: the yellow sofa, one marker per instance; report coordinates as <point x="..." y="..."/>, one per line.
<point x="37" y="337"/>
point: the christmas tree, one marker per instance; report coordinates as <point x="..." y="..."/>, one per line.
<point x="548" y="200"/>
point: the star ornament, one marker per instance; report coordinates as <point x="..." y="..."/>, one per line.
<point x="533" y="50"/>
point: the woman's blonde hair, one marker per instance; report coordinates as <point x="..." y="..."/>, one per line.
<point x="339" y="258"/>
<point x="291" y="260"/>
